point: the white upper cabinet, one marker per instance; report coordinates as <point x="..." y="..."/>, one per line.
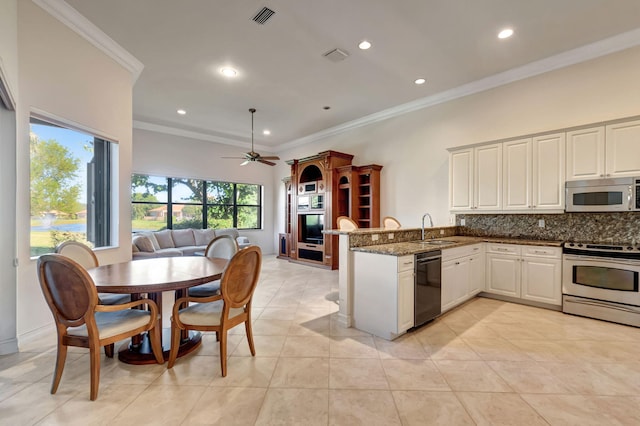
<point x="604" y="152"/>
<point x="487" y="185"/>
<point x="548" y="172"/>
<point x="585" y="154"/>
<point x="622" y="153"/>
<point x="517" y="174"/>
<point x="461" y="179"/>
<point x="475" y="178"/>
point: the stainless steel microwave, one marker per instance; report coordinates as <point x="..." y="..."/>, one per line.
<point x="603" y="195"/>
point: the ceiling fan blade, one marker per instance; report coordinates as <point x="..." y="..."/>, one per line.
<point x="263" y="161"/>
<point x="269" y="157"/>
<point x="245" y="162"/>
<point x="234" y="158"/>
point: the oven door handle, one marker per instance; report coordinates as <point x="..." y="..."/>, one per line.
<point x="614" y="261"/>
<point x="601" y="305"/>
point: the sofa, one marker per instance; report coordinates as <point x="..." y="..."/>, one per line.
<point x="178" y="242"/>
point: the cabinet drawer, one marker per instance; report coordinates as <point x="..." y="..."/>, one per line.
<point x="538" y="251"/>
<point x="405" y="263"/>
<point x="458" y="252"/>
<point x="503" y="248"/>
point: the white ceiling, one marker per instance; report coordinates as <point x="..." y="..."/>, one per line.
<point x="282" y="71"/>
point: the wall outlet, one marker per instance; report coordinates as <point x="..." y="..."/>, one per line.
<point x="390" y="236"/>
<point x="462" y="222"/>
<point x="442" y="232"/>
<point x="541" y="223"/>
<point x="374" y="237"/>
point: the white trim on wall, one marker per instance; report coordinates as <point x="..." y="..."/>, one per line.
<point x="70" y="17"/>
<point x="6" y="94"/>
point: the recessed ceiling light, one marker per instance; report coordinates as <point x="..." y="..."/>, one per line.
<point x="181" y="112"/>
<point x="229" y="72"/>
<point x="506" y="33"/>
<point x="266" y="132"/>
<point x="420" y="81"/>
<point x="364" y="45"/>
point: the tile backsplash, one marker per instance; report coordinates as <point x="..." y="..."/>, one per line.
<point x="583" y="227"/>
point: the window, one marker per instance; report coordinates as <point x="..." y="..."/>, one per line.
<point x="70" y="187"/>
<point x="177" y="203"/>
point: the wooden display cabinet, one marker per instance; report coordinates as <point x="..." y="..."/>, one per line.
<point x="284" y="239"/>
<point x="324" y="187"/>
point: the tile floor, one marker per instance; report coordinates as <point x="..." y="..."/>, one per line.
<point x="487" y="362"/>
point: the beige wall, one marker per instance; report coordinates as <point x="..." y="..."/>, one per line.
<point x="412" y="147"/>
<point x="175" y="156"/>
<point x="63" y="75"/>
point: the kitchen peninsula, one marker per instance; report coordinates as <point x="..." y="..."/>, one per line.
<point x="376" y="274"/>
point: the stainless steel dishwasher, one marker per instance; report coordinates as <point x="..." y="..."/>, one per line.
<point x="427" y="286"/>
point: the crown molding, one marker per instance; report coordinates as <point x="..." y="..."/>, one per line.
<point x="570" y="57"/>
<point x="158" y="128"/>
<point x="70" y="17"/>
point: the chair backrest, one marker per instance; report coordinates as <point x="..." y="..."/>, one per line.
<point x="390" y="223"/>
<point x="68" y="289"/>
<point x="223" y="246"/>
<point x="346" y="223"/>
<point x="79" y="252"/>
<point x="241" y="277"/>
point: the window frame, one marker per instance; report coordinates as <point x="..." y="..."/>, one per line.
<point x="104" y="162"/>
<point x="205" y="204"/>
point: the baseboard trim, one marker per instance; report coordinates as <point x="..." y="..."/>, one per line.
<point x="9" y="346"/>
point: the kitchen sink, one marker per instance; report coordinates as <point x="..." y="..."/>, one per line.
<point x="434" y="242"/>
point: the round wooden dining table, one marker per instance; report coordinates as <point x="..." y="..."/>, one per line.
<point x="153" y="276"/>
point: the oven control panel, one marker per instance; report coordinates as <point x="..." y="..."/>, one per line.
<point x="628" y="251"/>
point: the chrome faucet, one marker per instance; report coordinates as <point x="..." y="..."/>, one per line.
<point x="430" y="223"/>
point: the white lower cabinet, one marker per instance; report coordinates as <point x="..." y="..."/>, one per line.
<point x="527" y="272"/>
<point x="383" y="294"/>
<point x="459" y="280"/>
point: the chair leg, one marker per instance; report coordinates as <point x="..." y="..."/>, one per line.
<point x="94" y="354"/>
<point x="175" y="344"/>
<point x="60" y="359"/>
<point x="109" y="349"/>
<point x="249" y="330"/>
<point x="223" y="351"/>
<point x="156" y="346"/>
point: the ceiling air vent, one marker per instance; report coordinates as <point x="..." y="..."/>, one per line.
<point x="336" y="55"/>
<point x="263" y="15"/>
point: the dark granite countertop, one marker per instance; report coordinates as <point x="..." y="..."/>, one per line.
<point x="413" y="247"/>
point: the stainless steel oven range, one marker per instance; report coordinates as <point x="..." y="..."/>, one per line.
<point x="601" y="281"/>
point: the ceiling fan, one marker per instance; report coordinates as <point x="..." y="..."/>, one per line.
<point x="253" y="156"/>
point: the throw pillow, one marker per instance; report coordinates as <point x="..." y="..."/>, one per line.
<point x="203" y="236"/>
<point x="151" y="236"/>
<point x="134" y="248"/>
<point x="164" y="239"/>
<point x="143" y="243"/>
<point x="183" y="237"/>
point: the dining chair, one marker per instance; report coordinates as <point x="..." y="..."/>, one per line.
<point x="389" y="222"/>
<point x="346" y="223"/>
<point x="224" y="311"/>
<point x="224" y="247"/>
<point x="81" y="321"/>
<point x="83" y="255"/>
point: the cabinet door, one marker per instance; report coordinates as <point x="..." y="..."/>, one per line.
<point x="476" y="274"/>
<point x="461" y="180"/>
<point x="455" y="282"/>
<point x="488" y="177"/>
<point x="517" y="174"/>
<point x="548" y="172"/>
<point x="623" y="149"/>
<point x="541" y="280"/>
<point x="503" y="275"/>
<point x="585" y="154"/>
<point x="405" y="301"/>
